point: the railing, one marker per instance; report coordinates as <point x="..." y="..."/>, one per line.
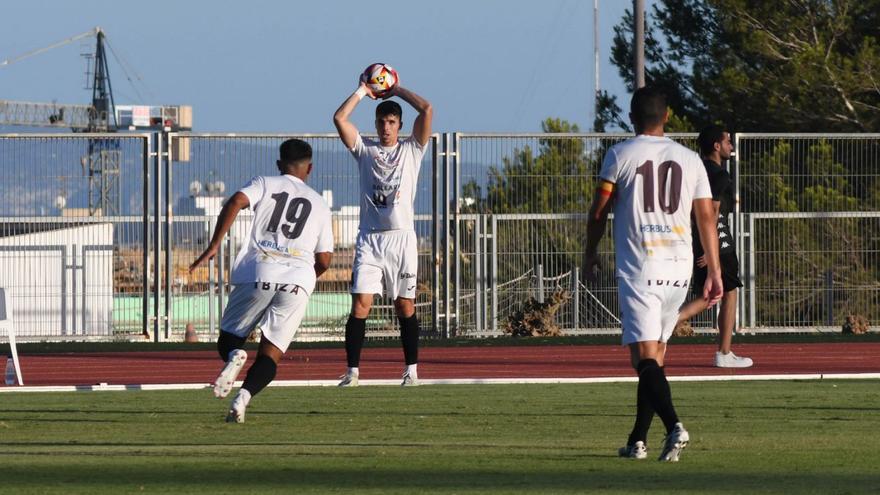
<point x="97" y="231"/>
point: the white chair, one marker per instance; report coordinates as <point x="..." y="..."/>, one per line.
<point x="6" y="324"/>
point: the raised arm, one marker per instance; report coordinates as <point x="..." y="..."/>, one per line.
<point x="422" y="124"/>
<point x="347" y="131"/>
<point x="230" y="210"/>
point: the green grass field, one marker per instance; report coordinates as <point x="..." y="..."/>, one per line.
<point x="790" y="437"/>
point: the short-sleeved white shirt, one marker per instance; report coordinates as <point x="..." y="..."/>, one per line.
<point x="388" y="177"/>
<point x="291" y="223"/>
<point x="656" y="181"/>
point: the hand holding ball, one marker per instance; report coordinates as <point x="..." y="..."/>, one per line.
<point x="381" y="79"/>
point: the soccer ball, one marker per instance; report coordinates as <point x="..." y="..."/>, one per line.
<point x="380" y="78"/>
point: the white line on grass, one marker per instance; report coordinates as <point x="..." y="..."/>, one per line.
<point x="104" y="387"/>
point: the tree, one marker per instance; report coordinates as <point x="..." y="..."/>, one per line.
<point x="794" y="66"/>
<point x="538" y="196"/>
<point x="809" y="257"/>
<point x="799" y="65"/>
<point x="556" y="177"/>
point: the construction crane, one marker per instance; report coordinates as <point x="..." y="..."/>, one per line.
<point x="104" y="156"/>
<point x="103" y="115"/>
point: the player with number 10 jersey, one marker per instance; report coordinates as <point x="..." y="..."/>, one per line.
<point x="652" y="223"/>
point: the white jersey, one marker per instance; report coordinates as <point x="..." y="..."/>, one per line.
<point x="291" y="223"/>
<point x="656" y="181"/>
<point x="388" y="177"/>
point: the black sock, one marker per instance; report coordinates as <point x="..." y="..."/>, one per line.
<point x="260" y="374"/>
<point x="657" y="391"/>
<point x="409" y="337"/>
<point x="355" y="329"/>
<point x="644" y="416"/>
<point x="228" y="342"/>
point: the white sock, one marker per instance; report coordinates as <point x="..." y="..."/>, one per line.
<point x="353" y="371"/>
<point x="245" y="396"/>
<point x="229" y="356"/>
<point x="411" y="369"/>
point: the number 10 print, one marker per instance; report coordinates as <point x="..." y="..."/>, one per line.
<point x="668" y="173"/>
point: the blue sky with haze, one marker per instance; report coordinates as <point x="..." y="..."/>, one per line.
<point x="274" y="66"/>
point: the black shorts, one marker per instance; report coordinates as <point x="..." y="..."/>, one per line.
<point x="729" y="274"/>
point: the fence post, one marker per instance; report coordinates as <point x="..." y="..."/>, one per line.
<point x="435" y="236"/>
<point x="456" y="232"/>
<point x="829" y="297"/>
<point x="165" y="158"/>
<point x="447" y="264"/>
<point x="576" y="296"/>
<point x="157" y="236"/>
<point x="221" y="280"/>
<point x="145" y="233"/>
<point x="212" y="317"/>
<point x="751" y="273"/>
<point x="494" y="280"/>
<point x="478" y="271"/>
<point x="540" y="272"/>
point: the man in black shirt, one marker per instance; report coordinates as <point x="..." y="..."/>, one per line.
<point x="715" y="146"/>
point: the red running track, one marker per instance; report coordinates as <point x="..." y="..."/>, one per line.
<point x="585" y="361"/>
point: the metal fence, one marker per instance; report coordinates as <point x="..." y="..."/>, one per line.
<point x="807" y="229"/>
<point x="97" y="231"/>
<point x="519" y="214"/>
<point x="73" y="233"/>
<point x="206" y="168"/>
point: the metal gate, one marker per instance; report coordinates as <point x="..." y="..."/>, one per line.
<point x="203" y="169"/>
<point x="100" y="228"/>
<point x="74" y="235"/>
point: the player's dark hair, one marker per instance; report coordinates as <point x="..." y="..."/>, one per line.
<point x="710" y="135"/>
<point x="294" y="152"/>
<point x="389" y="107"/>
<point x="648" y="106"/>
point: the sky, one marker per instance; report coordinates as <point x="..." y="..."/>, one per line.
<point x="285" y="66"/>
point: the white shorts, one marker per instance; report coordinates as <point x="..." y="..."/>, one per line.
<point x="277" y="309"/>
<point x="649" y="308"/>
<point x="392" y="255"/>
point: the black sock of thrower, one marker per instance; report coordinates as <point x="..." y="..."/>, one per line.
<point x="228" y="342"/>
<point x="657" y="391"/>
<point x="260" y="374"/>
<point x="409" y="337"/>
<point x="355" y="329"/>
<point x="644" y="415"/>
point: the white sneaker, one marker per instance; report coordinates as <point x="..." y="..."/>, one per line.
<point x="635" y="451"/>
<point x="236" y="411"/>
<point x="226" y="379"/>
<point x="731" y="360"/>
<point x="674" y="443"/>
<point x="410" y="379"/>
<point x="348" y="380"/>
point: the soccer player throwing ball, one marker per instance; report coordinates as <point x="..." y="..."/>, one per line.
<point x="653" y="184"/>
<point x="386" y="246"/>
<point x="289" y="246"/>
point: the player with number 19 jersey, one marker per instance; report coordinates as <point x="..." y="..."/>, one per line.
<point x="656" y="181"/>
<point x="292" y="222"/>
